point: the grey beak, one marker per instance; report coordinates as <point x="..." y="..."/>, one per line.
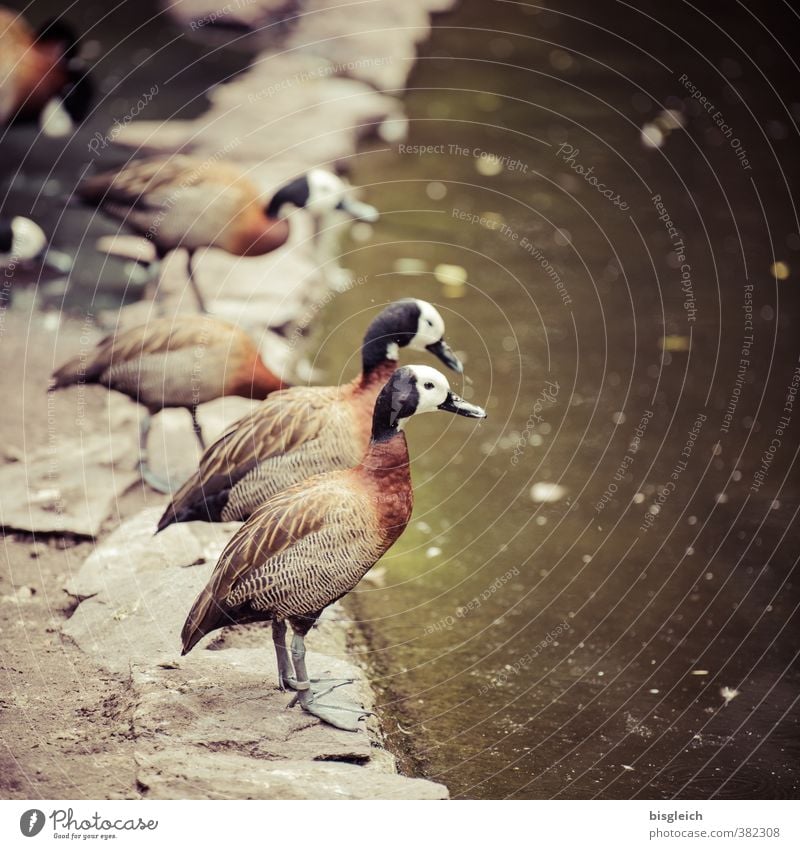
<point x="445" y="353"/>
<point x="454" y="404"/>
<point x="358" y="210"/>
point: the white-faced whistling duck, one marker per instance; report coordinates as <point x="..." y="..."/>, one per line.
<point x="306" y="430"/>
<point x="310" y="545"/>
<point x="185" y="202"/>
<point x="41" y="76"/>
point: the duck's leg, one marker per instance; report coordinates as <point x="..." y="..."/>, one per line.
<point x="198" y="431"/>
<point x="285" y="680"/>
<point x="153" y="480"/>
<point x="193" y="282"/>
<point x="340" y="717"/>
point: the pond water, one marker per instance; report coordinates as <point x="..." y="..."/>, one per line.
<point x="597" y="595"/>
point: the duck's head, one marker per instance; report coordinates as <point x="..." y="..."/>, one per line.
<point x="70" y="106"/>
<point x="320" y="193"/>
<point x="412" y="390"/>
<point x="409" y="323"/>
<point x="24" y="241"/>
<point x="21" y="239"/>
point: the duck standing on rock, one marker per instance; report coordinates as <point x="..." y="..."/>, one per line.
<point x="180" y="362"/>
<point x="306" y="430"/>
<point x="41" y="76"/>
<point x="310" y="545"/>
<point x="184" y="202"/>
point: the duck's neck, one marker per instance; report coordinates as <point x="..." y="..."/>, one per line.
<point x="263" y="382"/>
<point x="373" y="377"/>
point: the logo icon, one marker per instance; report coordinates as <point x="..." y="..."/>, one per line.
<point x="31" y="822"/>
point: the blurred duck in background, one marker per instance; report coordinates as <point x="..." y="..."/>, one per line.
<point x="24" y="243"/>
<point x="185" y="202"/>
<point x="41" y="75"/>
<point x="181" y="362"/>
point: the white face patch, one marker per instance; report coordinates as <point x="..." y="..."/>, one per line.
<point x="393" y="351"/>
<point x="54" y="120"/>
<point x="432" y="389"/>
<point x="28" y="238"/>
<point x="430" y="327"/>
<point x="325" y="192"/>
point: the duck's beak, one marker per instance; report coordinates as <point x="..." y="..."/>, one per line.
<point x="454" y="404"/>
<point x="445" y="353"/>
<point x="358" y="210"/>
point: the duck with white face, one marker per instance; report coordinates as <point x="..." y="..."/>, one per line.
<point x="307" y="429"/>
<point x="310" y="545"/>
<point x="23" y="242"/>
<point x="181" y="201"/>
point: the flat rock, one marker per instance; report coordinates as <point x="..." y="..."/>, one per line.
<point x="179" y="774"/>
<point x="214" y="724"/>
<point x="70" y="486"/>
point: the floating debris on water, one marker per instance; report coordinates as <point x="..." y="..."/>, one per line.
<point x="410" y="265"/>
<point x="729" y="694"/>
<point x="675" y="343"/>
<point x="547" y="493"/>
<point x="779" y="270"/>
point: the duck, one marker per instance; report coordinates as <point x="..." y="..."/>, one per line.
<point x="305" y="430"/>
<point x="23" y="241"/>
<point x="311" y="544"/>
<point x="182" y="201"/>
<point x="181" y="362"/>
<point x="41" y="75"/>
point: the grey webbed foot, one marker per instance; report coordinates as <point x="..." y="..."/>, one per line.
<point x="345" y="718"/>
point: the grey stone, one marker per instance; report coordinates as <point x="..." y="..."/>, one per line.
<point x="70" y="486"/>
<point x="189" y="774"/>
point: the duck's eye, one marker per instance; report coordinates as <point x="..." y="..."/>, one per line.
<point x="429" y="385"/>
<point x="430" y="323"/>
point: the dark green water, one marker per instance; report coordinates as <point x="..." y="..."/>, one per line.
<point x="580" y="647"/>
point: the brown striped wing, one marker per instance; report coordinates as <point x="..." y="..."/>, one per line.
<point x="298" y="553"/>
<point x="280" y="425"/>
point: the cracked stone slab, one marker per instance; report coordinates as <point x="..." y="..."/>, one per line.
<point x="138" y="588"/>
<point x="229" y="701"/>
<point x="70" y="486"/>
<point x="188" y="774"/>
